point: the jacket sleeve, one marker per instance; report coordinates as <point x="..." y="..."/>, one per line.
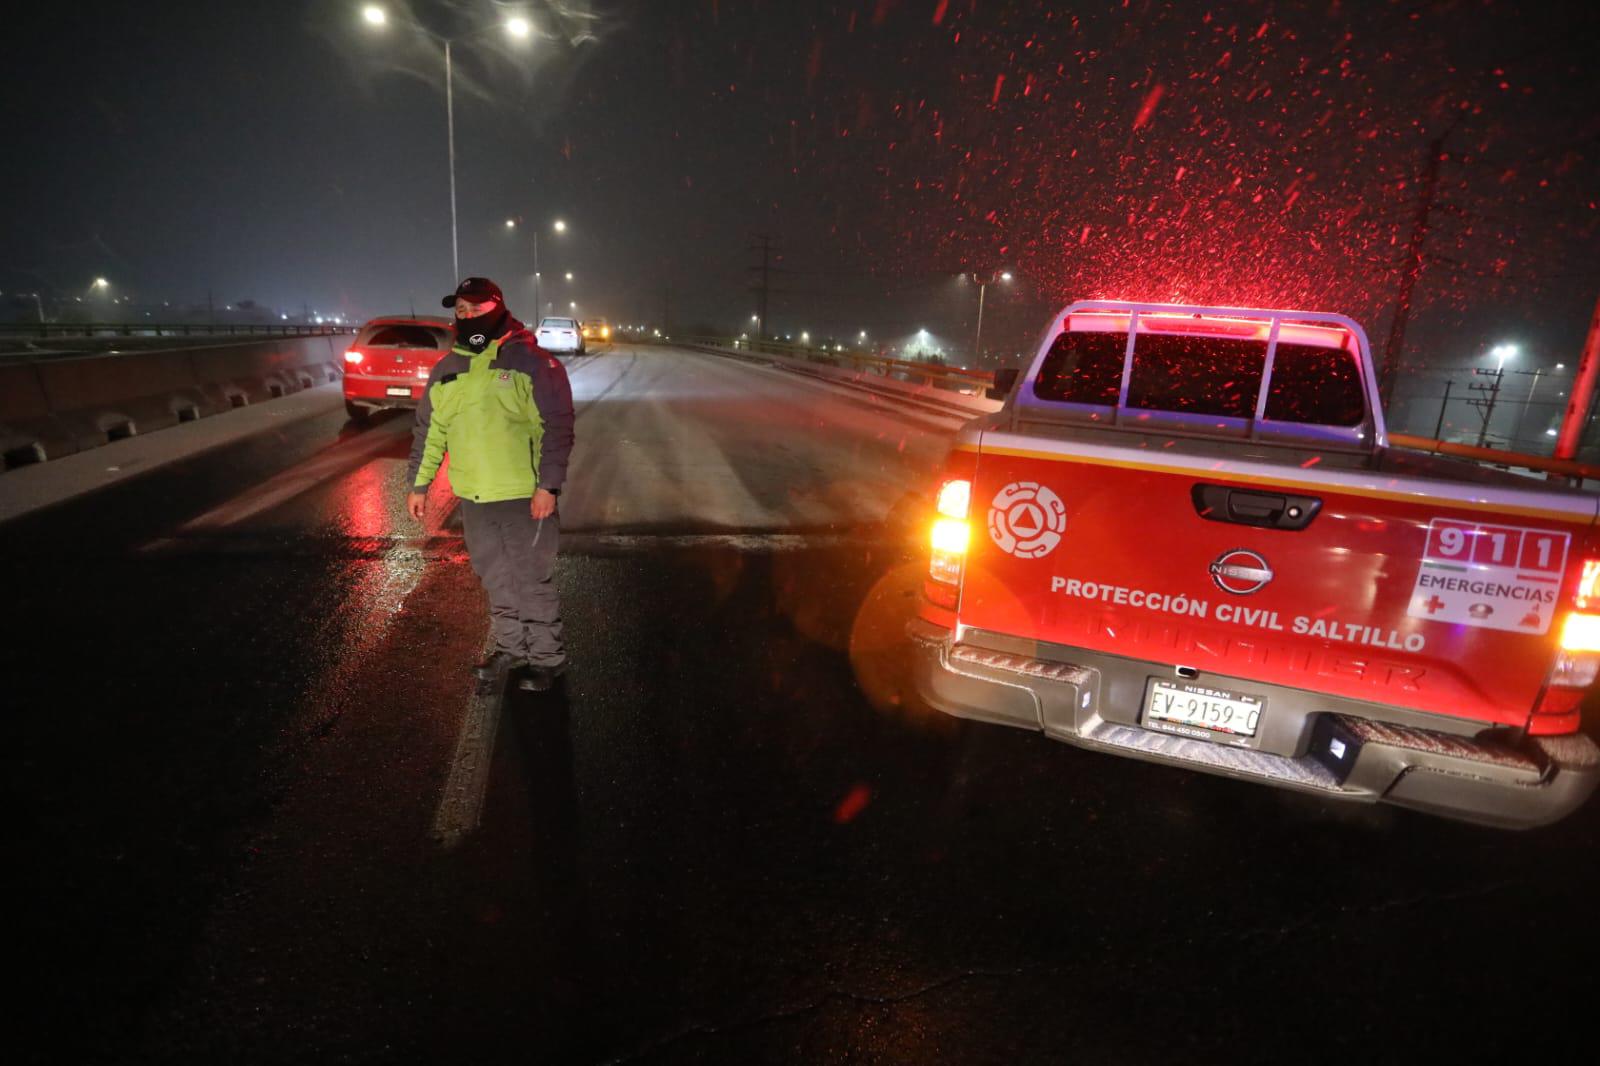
<point x="552" y="395"/>
<point x="430" y="436"/>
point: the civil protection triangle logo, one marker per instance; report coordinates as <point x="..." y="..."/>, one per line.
<point x="1027" y="519"/>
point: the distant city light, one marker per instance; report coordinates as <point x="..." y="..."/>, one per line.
<point x="375" y="15"/>
<point x="1005" y="275"/>
<point x="862" y="334"/>
<point x="804" y="336"/>
<point x="1561" y="366"/>
<point x="511" y="223"/>
<point x="569" y="275"/>
<point x="101" y="283"/>
<point x="560" y="226"/>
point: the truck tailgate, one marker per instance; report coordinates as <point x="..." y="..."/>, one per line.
<point x="1343" y="582"/>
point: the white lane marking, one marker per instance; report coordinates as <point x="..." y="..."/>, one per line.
<point x="292" y="482"/>
<point x="282" y="487"/>
<point x="755" y="541"/>
<point x="461" y="805"/>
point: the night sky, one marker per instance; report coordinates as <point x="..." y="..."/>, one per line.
<point x="1248" y="153"/>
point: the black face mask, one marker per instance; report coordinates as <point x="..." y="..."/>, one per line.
<point x="476" y="333"/>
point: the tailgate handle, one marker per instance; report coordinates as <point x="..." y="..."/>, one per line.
<point x="1248" y="507"/>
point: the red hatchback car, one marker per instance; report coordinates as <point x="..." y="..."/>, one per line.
<point x="388" y="365"/>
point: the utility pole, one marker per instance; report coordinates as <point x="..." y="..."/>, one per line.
<point x="1394" y="349"/>
<point x="763" y="288"/>
<point x="1579" y="400"/>
<point x="1438" y="426"/>
<point x="1486" y="407"/>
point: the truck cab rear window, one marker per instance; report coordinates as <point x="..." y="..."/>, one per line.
<point x="1319" y="386"/>
<point x="1196" y="375"/>
<point x="1083" y="368"/>
<point x="406" y="337"/>
<point x="1204" y="375"/>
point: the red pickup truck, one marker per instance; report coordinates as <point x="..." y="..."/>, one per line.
<point x="1185" y="538"/>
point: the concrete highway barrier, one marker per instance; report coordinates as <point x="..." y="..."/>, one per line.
<point x="880" y="379"/>
<point x="61" y="405"/>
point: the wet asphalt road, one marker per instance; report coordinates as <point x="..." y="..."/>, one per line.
<point x="731" y="837"/>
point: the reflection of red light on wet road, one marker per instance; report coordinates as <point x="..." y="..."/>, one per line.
<point x="365" y="508"/>
<point x="855" y="801"/>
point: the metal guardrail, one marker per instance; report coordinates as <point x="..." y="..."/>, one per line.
<point x="46" y="330"/>
<point x="1543" y="463"/>
<point x="905" y="369"/>
<point x="982" y="379"/>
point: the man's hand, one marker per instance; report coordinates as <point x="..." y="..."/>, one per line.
<point x="543" y="506"/>
<point x="417" y="504"/>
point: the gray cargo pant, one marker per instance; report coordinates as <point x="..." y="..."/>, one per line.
<point x="515" y="556"/>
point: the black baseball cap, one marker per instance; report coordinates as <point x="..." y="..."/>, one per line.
<point x="476" y="290"/>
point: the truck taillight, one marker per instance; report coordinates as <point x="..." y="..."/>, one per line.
<point x="950" y="533"/>
<point x="353" y="356"/>
<point x="1588" y="594"/>
<point x="1578" y="658"/>
<point x="1581" y="632"/>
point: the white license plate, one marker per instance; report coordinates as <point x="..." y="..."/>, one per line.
<point x="1202" y="707"/>
<point x="396" y="390"/>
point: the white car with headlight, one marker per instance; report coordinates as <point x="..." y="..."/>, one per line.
<point x="559" y="335"/>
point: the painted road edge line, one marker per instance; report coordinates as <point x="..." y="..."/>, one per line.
<point x="461" y="805"/>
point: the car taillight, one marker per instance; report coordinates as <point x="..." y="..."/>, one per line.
<point x="353" y="356"/>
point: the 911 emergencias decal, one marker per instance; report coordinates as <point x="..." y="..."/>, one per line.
<point x="1490" y="576"/>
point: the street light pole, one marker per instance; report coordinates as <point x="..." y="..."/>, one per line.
<point x="983" y="284"/>
<point x="377" y="17"/>
<point x="450" y="128"/>
<point x="977" y="342"/>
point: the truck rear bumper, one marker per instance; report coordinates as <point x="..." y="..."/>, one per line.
<point x="1326" y="746"/>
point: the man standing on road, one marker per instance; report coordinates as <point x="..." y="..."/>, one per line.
<point x="501" y="407"/>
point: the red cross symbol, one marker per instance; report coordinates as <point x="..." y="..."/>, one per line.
<point x="1433" y="603"/>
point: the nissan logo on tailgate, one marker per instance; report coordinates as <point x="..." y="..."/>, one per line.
<point x="1240" y="572"/>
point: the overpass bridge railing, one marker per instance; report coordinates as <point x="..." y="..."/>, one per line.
<point x="27" y="330"/>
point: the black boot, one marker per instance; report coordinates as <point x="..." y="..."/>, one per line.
<point x="540" y="678"/>
<point x="496" y="663"/>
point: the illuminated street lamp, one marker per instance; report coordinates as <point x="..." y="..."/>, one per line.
<point x="569" y="275"/>
<point x="538" y="278"/>
<point x="377" y="17"/>
<point x="1503" y="352"/>
<point x="983" y="284"/>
